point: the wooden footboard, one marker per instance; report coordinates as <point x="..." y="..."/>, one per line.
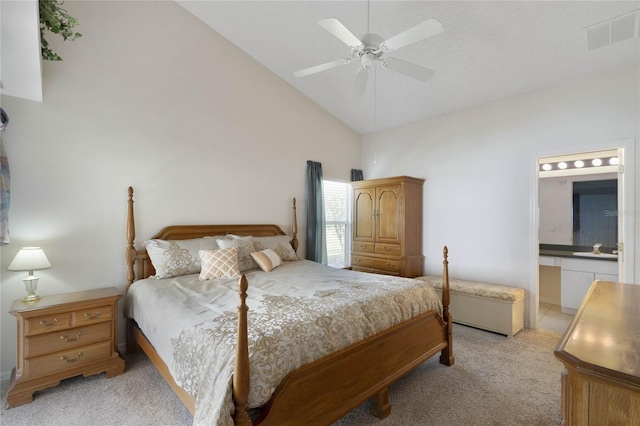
<point x="327" y="389"/>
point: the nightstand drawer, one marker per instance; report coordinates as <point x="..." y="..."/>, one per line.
<point x="46" y="324"/>
<point x="61" y="361"/>
<point x="67" y="339"/>
<point x="90" y="316"/>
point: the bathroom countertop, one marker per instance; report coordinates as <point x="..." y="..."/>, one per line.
<point x="553" y="250"/>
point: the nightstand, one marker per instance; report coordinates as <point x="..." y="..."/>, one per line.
<point x="62" y="336"/>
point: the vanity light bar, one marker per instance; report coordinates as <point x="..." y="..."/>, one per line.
<point x="579" y="164"/>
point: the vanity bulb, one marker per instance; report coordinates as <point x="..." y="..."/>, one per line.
<point x="596" y="162"/>
<point x="546" y="167"/>
<point x="579" y="164"/>
<point x="614" y="161"/>
<point x="562" y="165"/>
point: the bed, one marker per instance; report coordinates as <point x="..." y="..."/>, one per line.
<point x="287" y="383"/>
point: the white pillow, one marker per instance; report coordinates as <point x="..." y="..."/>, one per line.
<point x="172" y="258"/>
<point x="222" y="263"/>
<point x="267" y="259"/>
<point x="245" y="248"/>
<point x="281" y="244"/>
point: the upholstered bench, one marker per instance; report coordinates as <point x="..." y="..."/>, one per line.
<point x="490" y="307"/>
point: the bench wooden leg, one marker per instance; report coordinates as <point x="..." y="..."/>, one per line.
<point x="381" y="407"/>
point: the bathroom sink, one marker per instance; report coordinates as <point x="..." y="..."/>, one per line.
<point x="590" y="254"/>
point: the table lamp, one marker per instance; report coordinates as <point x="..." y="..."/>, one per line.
<point x="30" y="259"/>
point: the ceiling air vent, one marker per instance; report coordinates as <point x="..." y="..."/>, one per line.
<point x="624" y="27"/>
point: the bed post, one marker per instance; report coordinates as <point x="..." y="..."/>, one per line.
<point x="241" y="374"/>
<point x="130" y="255"/>
<point x="446" y="356"/>
<point x="294" y="226"/>
<point x="131" y="235"/>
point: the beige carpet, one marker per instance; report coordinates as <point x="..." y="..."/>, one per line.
<point x="495" y="381"/>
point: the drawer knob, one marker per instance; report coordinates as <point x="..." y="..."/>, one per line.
<point x="96" y="315"/>
<point x="44" y="323"/>
<point x="357" y="260"/>
<point x="388" y="263"/>
<point x="67" y="360"/>
<point x="386" y="248"/>
<point x="66" y="338"/>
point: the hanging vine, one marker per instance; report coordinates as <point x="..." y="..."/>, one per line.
<point x="56" y="20"/>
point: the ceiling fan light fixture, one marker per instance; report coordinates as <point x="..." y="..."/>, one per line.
<point x="367" y="59"/>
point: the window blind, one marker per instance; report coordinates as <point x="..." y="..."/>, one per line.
<point x="337" y="210"/>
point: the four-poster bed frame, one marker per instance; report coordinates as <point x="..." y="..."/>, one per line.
<point x="322" y="391"/>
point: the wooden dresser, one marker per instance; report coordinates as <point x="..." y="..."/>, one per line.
<point x="387" y="226"/>
<point x="63" y="336"/>
<point x="601" y="354"/>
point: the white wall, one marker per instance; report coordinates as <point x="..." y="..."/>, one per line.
<point x="151" y="97"/>
<point x="480" y="166"/>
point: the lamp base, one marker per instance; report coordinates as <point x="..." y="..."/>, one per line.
<point x="31" y="285"/>
<point x="31" y="297"/>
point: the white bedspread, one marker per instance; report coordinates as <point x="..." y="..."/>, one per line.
<point x="298" y="313"/>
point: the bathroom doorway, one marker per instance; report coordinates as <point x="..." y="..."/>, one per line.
<point x="581" y="198"/>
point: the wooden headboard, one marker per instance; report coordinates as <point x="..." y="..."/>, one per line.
<point x="139" y="264"/>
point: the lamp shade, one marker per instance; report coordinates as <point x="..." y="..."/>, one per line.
<point x="30" y="259"/>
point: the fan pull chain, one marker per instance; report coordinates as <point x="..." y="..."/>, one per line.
<point x="368" y="16"/>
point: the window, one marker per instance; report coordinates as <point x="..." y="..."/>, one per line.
<point x="337" y="212"/>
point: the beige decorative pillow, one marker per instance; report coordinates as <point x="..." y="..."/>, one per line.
<point x="245" y="248"/>
<point x="172" y="258"/>
<point x="267" y="259"/>
<point x="221" y="263"/>
<point x="281" y="244"/>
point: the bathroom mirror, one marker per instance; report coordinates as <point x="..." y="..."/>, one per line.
<point x="595" y="214"/>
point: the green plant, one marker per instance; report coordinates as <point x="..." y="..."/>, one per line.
<point x="56" y="20"/>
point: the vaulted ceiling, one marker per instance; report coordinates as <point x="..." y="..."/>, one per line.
<point x="487" y="51"/>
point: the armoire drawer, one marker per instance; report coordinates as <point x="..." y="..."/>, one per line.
<point x="375" y="263"/>
<point x="374" y="271"/>
<point x="363" y="247"/>
<point x="389" y="249"/>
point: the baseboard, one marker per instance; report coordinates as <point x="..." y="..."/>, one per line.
<point x="4" y="377"/>
<point x="549" y="300"/>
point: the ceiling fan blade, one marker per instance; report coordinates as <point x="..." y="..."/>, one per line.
<point x="408" y="69"/>
<point x="426" y="29"/>
<point x="322" y="67"/>
<point x="338" y="29"/>
<point x="360" y="83"/>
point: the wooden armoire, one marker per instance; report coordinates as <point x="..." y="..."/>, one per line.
<point x="387" y="226"/>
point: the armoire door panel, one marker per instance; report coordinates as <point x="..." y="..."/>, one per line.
<point x="388" y="214"/>
<point x="363" y="214"/>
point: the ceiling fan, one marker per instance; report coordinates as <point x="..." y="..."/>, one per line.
<point x="373" y="47"/>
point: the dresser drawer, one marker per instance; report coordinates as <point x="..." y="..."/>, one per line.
<point x="66" y="339"/>
<point x="91" y="316"/>
<point x="363" y="247"/>
<point x="64" y="360"/>
<point x="45" y="324"/>
<point x="390" y="249"/>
